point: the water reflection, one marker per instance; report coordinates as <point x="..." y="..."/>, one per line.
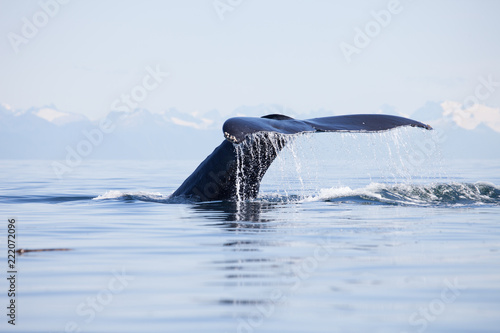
<point x="262" y="264"/>
<point x="236" y="214"/>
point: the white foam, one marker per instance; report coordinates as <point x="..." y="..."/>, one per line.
<point x="412" y="194"/>
<point x="345" y="191"/>
<point x="139" y="195"/>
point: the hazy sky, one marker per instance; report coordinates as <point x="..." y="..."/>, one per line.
<point x="85" y="54"/>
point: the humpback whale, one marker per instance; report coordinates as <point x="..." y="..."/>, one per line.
<point x="235" y="168"/>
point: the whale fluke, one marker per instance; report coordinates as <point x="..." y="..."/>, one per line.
<point x="236" y="129"/>
<point x="235" y="168"/>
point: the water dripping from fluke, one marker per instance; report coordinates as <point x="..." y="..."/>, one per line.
<point x="234" y="169"/>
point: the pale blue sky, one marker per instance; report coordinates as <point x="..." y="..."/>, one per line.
<point x="264" y="51"/>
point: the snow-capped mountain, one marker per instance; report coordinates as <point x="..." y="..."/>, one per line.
<point x="473" y="116"/>
<point x="49" y="133"/>
<point x="472" y="132"/>
<point x="47" y="113"/>
<point x="454" y="113"/>
<point x="37" y="132"/>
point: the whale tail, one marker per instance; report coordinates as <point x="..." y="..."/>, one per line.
<point x="235" y="169"/>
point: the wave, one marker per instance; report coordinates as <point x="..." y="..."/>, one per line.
<point x="443" y="194"/>
<point x="438" y="194"/>
<point x="140" y="196"/>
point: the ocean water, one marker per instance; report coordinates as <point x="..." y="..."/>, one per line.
<point x="350" y="233"/>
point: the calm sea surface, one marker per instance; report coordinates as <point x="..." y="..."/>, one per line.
<point x="351" y="233"/>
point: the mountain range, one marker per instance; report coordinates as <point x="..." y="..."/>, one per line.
<point x="48" y="133"/>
